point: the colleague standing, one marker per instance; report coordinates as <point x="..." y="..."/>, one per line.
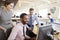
<point x="5" y="18"/>
<point x="50" y="18"/>
<point x="32" y="18"/>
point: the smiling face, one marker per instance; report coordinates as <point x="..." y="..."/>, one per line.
<point x="10" y="6"/>
<point x="24" y="18"/>
<point x="31" y="11"/>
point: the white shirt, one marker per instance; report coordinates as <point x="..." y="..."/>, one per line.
<point x="34" y="18"/>
<point x="17" y="32"/>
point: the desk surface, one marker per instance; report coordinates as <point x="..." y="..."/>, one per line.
<point x="15" y="18"/>
<point x="56" y="27"/>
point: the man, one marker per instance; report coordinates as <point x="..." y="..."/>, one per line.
<point x="19" y="31"/>
<point x="32" y="18"/>
<point x="50" y="17"/>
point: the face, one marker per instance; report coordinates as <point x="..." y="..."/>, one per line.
<point x="25" y="19"/>
<point x="48" y="16"/>
<point x="31" y="12"/>
<point x="10" y="6"/>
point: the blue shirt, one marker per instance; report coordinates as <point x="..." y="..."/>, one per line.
<point x="34" y="17"/>
<point x="51" y="20"/>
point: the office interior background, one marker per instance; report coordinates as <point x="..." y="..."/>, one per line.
<point x="41" y="8"/>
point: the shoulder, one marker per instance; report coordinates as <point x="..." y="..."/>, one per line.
<point x="17" y="27"/>
<point x="35" y="15"/>
<point x="19" y="24"/>
<point x="0" y="9"/>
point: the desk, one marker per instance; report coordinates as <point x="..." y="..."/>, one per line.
<point x="15" y="18"/>
<point x="56" y="26"/>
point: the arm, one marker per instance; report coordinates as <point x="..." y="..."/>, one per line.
<point x="3" y="28"/>
<point x="13" y="33"/>
<point x="0" y="21"/>
<point x="11" y="23"/>
<point x="26" y="36"/>
<point x="21" y="37"/>
<point x="11" y="20"/>
<point x="37" y="20"/>
<point x="0" y="11"/>
<point x="29" y="28"/>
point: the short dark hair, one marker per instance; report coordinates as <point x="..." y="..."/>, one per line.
<point x="40" y="16"/>
<point x="7" y="2"/>
<point x="22" y="15"/>
<point x="31" y="9"/>
<point x="49" y="14"/>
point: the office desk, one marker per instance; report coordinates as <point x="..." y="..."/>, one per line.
<point x="56" y="26"/>
<point x="15" y="18"/>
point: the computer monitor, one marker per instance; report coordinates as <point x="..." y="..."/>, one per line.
<point x="44" y="32"/>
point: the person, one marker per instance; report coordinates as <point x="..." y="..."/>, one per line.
<point x="32" y="18"/>
<point x="50" y="17"/>
<point x="5" y="17"/>
<point x="19" y="31"/>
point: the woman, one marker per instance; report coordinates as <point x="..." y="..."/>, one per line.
<point x="5" y="18"/>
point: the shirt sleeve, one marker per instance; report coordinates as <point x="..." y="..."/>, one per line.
<point x="37" y="20"/>
<point x="27" y="26"/>
<point x="0" y="10"/>
<point x="21" y="37"/>
<point x="0" y="15"/>
<point x="13" y="33"/>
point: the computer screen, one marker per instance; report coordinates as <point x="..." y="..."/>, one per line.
<point x="43" y="31"/>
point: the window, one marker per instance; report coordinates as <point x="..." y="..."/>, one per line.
<point x="43" y="13"/>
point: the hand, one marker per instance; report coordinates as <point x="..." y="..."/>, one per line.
<point x="27" y="37"/>
<point x="29" y="28"/>
<point x="3" y="29"/>
<point x="12" y="25"/>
